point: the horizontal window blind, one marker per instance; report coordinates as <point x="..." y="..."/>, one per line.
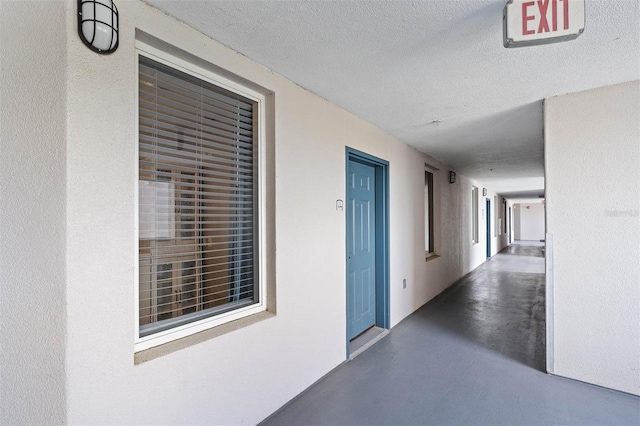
<point x="197" y="199"/>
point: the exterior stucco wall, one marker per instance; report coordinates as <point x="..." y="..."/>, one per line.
<point x="32" y="212"/>
<point x="202" y="384"/>
<point x="72" y="359"/>
<point x="592" y="148"/>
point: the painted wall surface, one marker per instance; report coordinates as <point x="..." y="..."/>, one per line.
<point x="81" y="161"/>
<point x="532" y="222"/>
<point x="452" y="210"/>
<point x="592" y="150"/>
<point x="529" y="221"/>
<point x="32" y="213"/>
<point x="306" y="339"/>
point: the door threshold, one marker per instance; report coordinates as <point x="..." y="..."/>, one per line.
<point x="365" y="340"/>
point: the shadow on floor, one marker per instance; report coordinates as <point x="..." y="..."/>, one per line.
<point x="519" y="250"/>
<point x="472" y="356"/>
<point x="502" y="312"/>
<point x="499" y="306"/>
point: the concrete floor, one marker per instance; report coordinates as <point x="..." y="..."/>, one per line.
<point x="473" y="355"/>
<point x="528" y="243"/>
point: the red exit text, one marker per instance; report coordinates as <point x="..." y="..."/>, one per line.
<point x="541" y="16"/>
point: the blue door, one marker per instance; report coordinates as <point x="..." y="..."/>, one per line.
<point x="509" y="225"/>
<point x="361" y="248"/>
<point x="488" y="210"/>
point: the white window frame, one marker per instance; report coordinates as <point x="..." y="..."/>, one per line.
<point x="178" y="332"/>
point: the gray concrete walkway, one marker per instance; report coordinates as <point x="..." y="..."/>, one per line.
<point x="474" y="355"/>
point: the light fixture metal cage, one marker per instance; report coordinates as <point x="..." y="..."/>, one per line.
<point x="98" y="25"/>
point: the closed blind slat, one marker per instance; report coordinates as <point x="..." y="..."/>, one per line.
<point x="176" y="170"/>
<point x="176" y="134"/>
<point x="178" y="152"/>
<point x="213" y="282"/>
<point x="243" y="269"/>
<point x="197" y="199"/>
<point x="180" y="117"/>
<point x="171" y="107"/>
<point x="162" y="75"/>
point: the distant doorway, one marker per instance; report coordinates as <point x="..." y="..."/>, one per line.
<point x="509" y="225"/>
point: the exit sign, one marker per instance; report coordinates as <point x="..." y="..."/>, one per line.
<point x="533" y="22"/>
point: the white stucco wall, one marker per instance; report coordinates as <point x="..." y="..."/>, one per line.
<point x="77" y="175"/>
<point x="592" y="153"/>
<point x="269" y="362"/>
<point x="32" y="213"/>
<point x="532" y="226"/>
<point x="529" y="221"/>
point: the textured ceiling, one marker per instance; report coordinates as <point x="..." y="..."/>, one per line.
<point x="433" y="73"/>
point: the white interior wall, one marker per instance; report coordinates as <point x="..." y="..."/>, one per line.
<point x="452" y="210"/>
<point x="592" y="153"/>
<point x="532" y="221"/>
<point x="82" y="370"/>
<point x="516" y="222"/>
<point x="32" y="213"/>
<point x="529" y="221"/>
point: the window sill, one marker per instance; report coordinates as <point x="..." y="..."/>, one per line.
<point x="203" y="336"/>
<point x="431" y="256"/>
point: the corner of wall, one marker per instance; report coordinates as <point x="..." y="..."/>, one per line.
<point x="591" y="147"/>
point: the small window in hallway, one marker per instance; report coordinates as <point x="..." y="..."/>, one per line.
<point x="474" y="215"/>
<point x="496" y="224"/>
<point x="429" y="217"/>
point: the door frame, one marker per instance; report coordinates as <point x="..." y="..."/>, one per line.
<point x="381" y="168"/>
<point x="487" y="208"/>
<point x="509" y="224"/>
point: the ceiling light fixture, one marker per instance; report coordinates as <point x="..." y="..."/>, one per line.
<point x="98" y="25"/>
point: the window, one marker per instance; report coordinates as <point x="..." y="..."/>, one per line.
<point x="474" y="215"/>
<point x="429" y="229"/>
<point x="198" y="200"/>
<point x="496" y="223"/>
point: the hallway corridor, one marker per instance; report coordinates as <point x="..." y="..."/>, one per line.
<point x="473" y="355"/>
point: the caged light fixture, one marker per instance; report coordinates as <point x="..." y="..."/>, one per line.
<point x="98" y="25"/>
<point x="452" y="176"/>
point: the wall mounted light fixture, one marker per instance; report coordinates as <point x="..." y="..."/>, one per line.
<point x="484" y="192"/>
<point x="452" y="177"/>
<point x="98" y="25"/>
